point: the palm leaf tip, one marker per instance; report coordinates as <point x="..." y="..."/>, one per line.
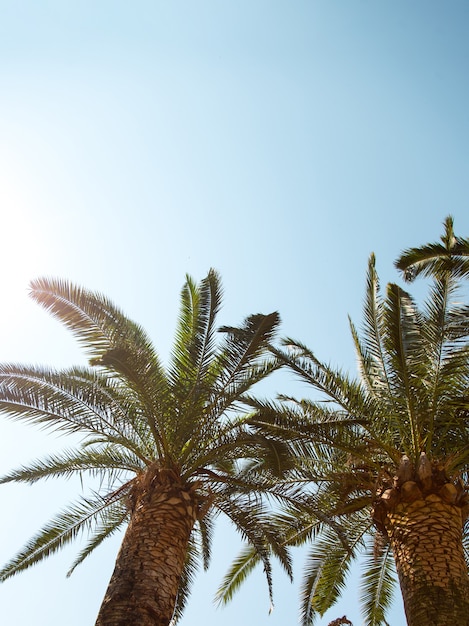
<point x="256" y="333"/>
<point x="90" y="316"/>
<point x="241" y="567"/>
<point x="266" y="323"/>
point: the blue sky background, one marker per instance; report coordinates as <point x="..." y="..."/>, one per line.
<point x="279" y="142"/>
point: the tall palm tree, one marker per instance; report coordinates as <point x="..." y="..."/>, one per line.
<point x="171" y="446"/>
<point x="387" y="458"/>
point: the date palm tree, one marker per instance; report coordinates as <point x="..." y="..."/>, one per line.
<point x="171" y="446"/>
<point x="387" y="458"/>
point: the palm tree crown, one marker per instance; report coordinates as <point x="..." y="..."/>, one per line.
<point x="387" y="455"/>
<point x="153" y="433"/>
<point x="452" y="254"/>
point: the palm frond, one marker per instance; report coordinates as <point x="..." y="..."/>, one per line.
<point x="241" y="349"/>
<point x="205" y="526"/>
<point x="372" y="358"/>
<point x="403" y="341"/>
<point x="237" y="574"/>
<point x="447" y="357"/>
<point x="112" y="518"/>
<point x="195" y="336"/>
<point x="234" y="397"/>
<point x="73" y="401"/>
<point x="57" y="533"/>
<point x="108" y="461"/>
<point x="111" y="339"/>
<point x="337" y="386"/>
<point x="97" y="323"/>
<point x="378" y="581"/>
<point x="256" y="528"/>
<point x="436" y="259"/>
<point x="327" y="566"/>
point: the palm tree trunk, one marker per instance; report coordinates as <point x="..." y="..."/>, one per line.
<point x="426" y="538"/>
<point x="144" y="585"/>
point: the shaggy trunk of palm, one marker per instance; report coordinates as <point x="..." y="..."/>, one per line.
<point x="144" y="585"/>
<point x="426" y="538"/>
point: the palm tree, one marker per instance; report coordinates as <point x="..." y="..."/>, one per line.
<point x="170" y="446"/>
<point x="387" y="458"/>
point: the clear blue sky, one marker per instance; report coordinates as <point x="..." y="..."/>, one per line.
<point x="279" y="142"/>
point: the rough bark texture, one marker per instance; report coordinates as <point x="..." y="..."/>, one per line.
<point x="426" y="538"/>
<point x="144" y="585"/>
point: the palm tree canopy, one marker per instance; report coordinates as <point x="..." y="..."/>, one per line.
<point x="409" y="409"/>
<point x="133" y="414"/>
<point x="431" y="259"/>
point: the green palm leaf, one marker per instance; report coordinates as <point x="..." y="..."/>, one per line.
<point x="241" y="351"/>
<point x="110" y="338"/>
<point x="239" y="570"/>
<point x="404" y="346"/>
<point x="74" y="401"/>
<point x="435" y="259"/>
<point x="378" y="582"/>
<point x="111" y="519"/>
<point x="109" y="461"/>
<point x="96" y="322"/>
<point x="326" y="568"/>
<point x="195" y="346"/>
<point x="57" y="533"/>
